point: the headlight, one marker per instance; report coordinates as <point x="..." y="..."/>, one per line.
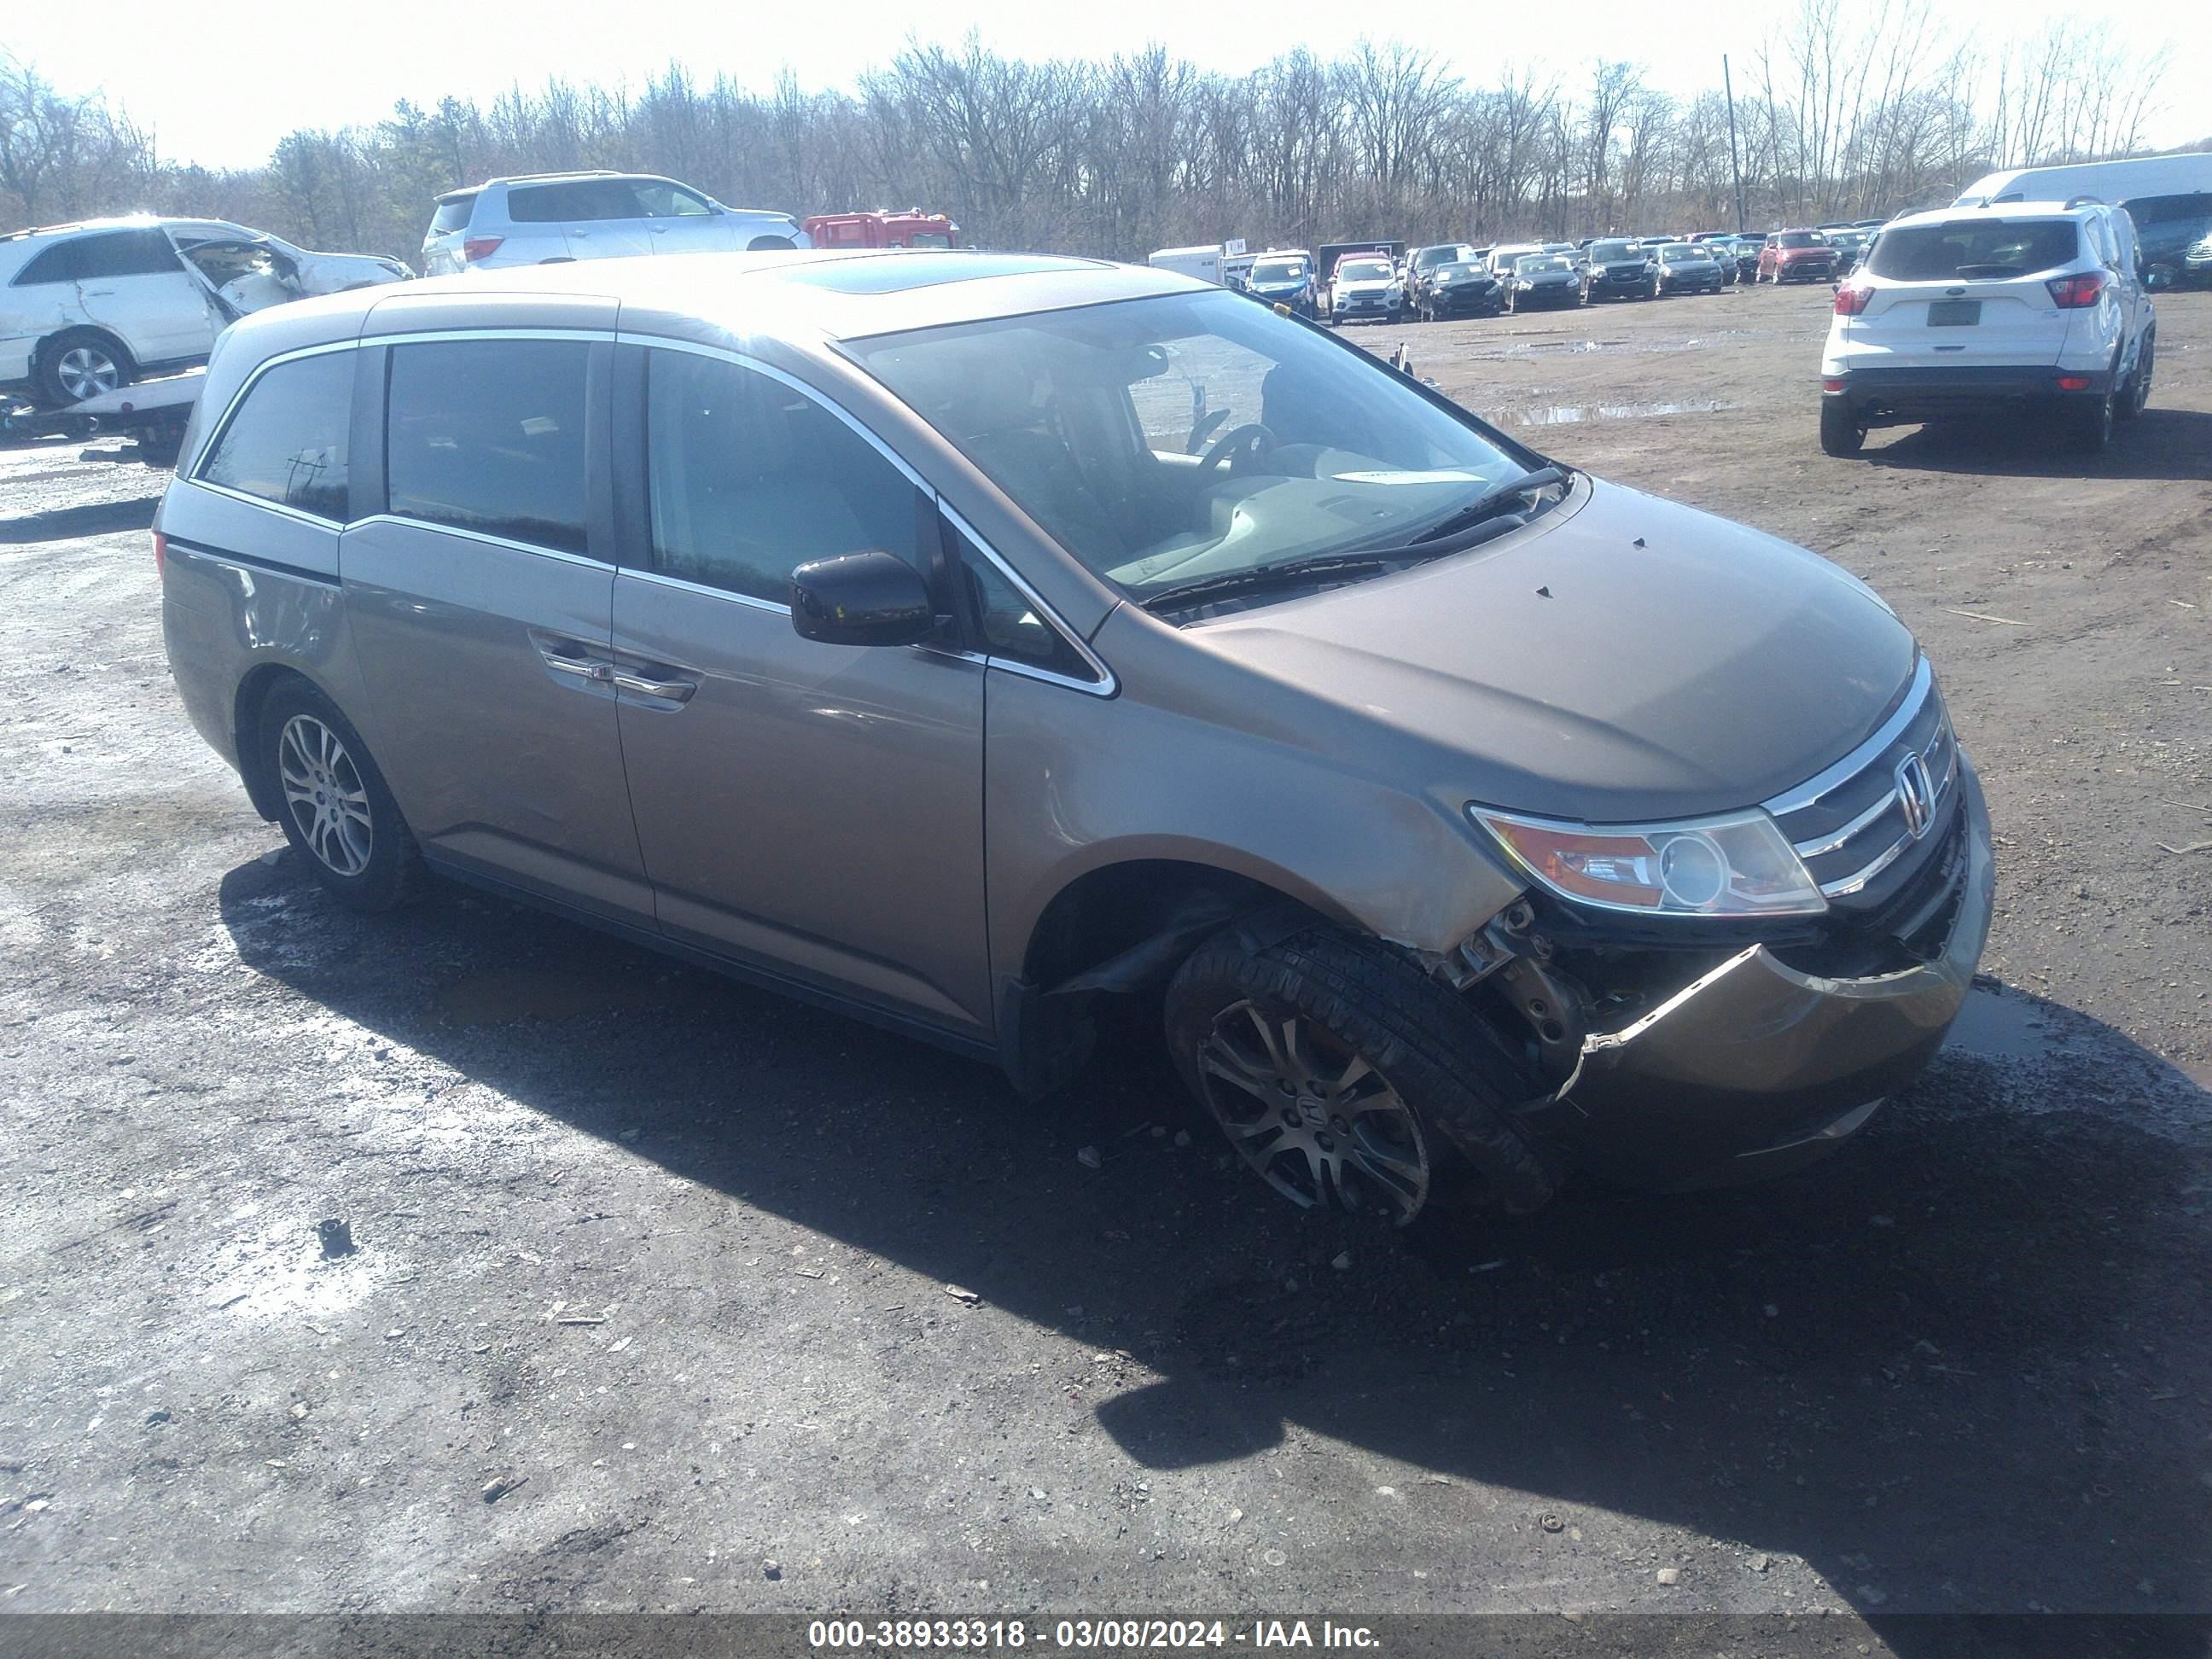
<point x="1736" y="865"/>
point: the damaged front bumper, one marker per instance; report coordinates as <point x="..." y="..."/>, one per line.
<point x="1755" y="1068"/>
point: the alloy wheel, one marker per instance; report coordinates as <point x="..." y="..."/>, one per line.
<point x="86" y="370"/>
<point x="1311" y="1115"/>
<point x="323" y="789"/>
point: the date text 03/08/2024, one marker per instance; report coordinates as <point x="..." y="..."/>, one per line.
<point x="1085" y="1635"/>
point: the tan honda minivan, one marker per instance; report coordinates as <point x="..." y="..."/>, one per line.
<point x="962" y="640"/>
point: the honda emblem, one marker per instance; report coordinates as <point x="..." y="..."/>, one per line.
<point x="1915" y="794"/>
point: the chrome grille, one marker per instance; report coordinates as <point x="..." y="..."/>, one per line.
<point x="1890" y="796"/>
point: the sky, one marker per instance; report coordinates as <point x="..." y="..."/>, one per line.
<point x="220" y="85"/>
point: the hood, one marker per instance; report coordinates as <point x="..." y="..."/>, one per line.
<point x="1572" y="673"/>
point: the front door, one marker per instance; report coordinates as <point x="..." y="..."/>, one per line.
<point x="813" y="809"/>
<point x="479" y="598"/>
<point x="132" y="284"/>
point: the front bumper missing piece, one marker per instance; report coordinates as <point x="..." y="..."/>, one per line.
<point x="1755" y="1068"/>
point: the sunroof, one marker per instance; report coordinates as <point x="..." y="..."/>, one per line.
<point x="894" y="273"/>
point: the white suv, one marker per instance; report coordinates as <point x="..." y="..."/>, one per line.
<point x="1978" y="311"/>
<point x="551" y="218"/>
<point x="85" y="308"/>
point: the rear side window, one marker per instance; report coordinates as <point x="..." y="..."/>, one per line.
<point x="109" y="253"/>
<point x="748" y="479"/>
<point x="1971" y="248"/>
<point x="574" y="200"/>
<point x="452" y="214"/>
<point x="489" y="436"/>
<point x="286" y="443"/>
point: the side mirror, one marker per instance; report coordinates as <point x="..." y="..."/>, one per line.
<point x="2158" y="278"/>
<point x="861" y="599"/>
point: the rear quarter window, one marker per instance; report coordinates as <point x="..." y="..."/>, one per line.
<point x="287" y="443"/>
<point x="1965" y="249"/>
<point x="487" y="435"/>
<point x="452" y="214"/>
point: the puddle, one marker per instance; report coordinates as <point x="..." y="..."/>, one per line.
<point x="1999" y="1025"/>
<point x="1574" y="414"/>
<point x="501" y="995"/>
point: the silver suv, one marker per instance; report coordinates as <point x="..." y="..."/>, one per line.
<point x="549" y="218"/>
<point x="966" y="641"/>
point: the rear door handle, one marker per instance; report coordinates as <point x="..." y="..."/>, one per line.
<point x="667" y="690"/>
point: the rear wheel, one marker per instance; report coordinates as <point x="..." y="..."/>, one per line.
<point x="2138" y="397"/>
<point x="2088" y="424"/>
<point x="1840" y="431"/>
<point x="333" y="804"/>
<point x="80" y="364"/>
<point x="1346" y="1078"/>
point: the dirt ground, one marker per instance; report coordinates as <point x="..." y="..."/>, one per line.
<point x="675" y="1260"/>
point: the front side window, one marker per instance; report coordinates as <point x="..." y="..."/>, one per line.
<point x="125" y="253"/>
<point x="1011" y="624"/>
<point x="286" y="443"/>
<point x="1099" y="422"/>
<point x="748" y="479"/>
<point x="657" y="198"/>
<point x="487" y="435"/>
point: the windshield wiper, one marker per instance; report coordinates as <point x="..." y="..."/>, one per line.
<point x="1292" y="573"/>
<point x="1490" y="503"/>
<point x="1299" y="573"/>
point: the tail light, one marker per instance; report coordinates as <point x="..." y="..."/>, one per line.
<point x="1851" y="300"/>
<point x="160" y="556"/>
<point x="480" y="248"/>
<point x="1832" y="384"/>
<point x="2074" y="293"/>
<point x="2073" y="383"/>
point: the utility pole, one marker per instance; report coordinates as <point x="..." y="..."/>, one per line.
<point x="1735" y="165"/>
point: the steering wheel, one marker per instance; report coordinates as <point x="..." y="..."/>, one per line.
<point x="1251" y="439"/>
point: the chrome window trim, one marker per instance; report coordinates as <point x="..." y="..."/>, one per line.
<point x="1106" y="685"/>
<point x="1796" y="800"/>
<point x="705" y="590"/>
<point x="408" y="521"/>
<point x="312" y="520"/>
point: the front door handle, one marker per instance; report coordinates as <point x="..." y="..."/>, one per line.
<point x="584" y="668"/>
<point x="667" y="690"/>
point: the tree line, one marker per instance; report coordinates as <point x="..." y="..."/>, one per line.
<point x="1841" y="112"/>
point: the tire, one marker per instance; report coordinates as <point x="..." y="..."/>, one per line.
<point x="2138" y="397"/>
<point x="333" y="804"/>
<point x="1347" y="1078"/>
<point x="2088" y="427"/>
<point x="80" y="363"/>
<point x="1841" y="433"/>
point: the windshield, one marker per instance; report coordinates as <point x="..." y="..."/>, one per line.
<point x="1803" y="239"/>
<point x="1531" y="265"/>
<point x="1683" y="253"/>
<point x="1182" y="436"/>
<point x="1278" y="271"/>
<point x="1602" y="252"/>
<point x="929" y="239"/>
<point x="1364" y="271"/>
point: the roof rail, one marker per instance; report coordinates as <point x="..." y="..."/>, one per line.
<point x="563" y="173"/>
<point x="2086" y="200"/>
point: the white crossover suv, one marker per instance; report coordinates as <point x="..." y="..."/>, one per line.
<point x="551" y="218"/>
<point x="2035" y="308"/>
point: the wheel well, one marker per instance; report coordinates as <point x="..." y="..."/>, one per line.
<point x="122" y="353"/>
<point x="1107" y="914"/>
<point x="253" y="764"/>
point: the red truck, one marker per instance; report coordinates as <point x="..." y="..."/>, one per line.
<point x="912" y="229"/>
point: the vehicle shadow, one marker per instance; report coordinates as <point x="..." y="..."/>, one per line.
<point x="91" y="518"/>
<point x="2173" y="444"/>
<point x="1958" y="1368"/>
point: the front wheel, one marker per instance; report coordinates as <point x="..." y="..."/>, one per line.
<point x="333" y="804"/>
<point x="1840" y="431"/>
<point x="1346" y="1078"/>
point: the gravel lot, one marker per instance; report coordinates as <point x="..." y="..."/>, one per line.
<point x="672" y="1259"/>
